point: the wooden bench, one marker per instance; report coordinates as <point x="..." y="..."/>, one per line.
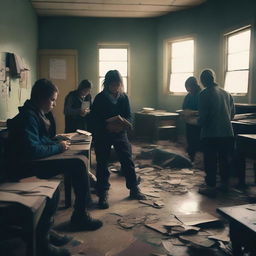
<point x="242" y="225"/>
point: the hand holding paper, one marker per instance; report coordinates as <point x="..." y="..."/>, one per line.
<point x="117" y="124"/>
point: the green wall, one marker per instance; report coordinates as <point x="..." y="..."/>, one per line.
<point x="18" y="34"/>
<point x="83" y="34"/>
<point x="207" y="23"/>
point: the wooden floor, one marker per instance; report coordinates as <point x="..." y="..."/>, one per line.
<point x="113" y="239"/>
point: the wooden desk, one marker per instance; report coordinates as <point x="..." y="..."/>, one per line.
<point x="24" y="211"/>
<point x="242" y="224"/>
<point x="244" y="126"/>
<point x="78" y="150"/>
<point x="156" y="125"/>
<point x="246" y="147"/>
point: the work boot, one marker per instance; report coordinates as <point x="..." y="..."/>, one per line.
<point x="135" y="193"/>
<point x="103" y="200"/>
<point x="83" y="221"/>
<point x="208" y="191"/>
<point x="58" y="239"/>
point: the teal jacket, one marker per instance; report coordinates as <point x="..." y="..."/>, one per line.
<point x="28" y="137"/>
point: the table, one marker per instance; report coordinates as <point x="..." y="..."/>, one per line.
<point x="24" y="211"/>
<point x="242" y="224"/>
<point x="246" y="147"/>
<point x="79" y="149"/>
<point x="156" y="125"/>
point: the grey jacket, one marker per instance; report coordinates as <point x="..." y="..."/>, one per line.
<point x="216" y="110"/>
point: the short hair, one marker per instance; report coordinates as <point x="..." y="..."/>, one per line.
<point x="84" y="84"/>
<point x="43" y="89"/>
<point x="207" y="77"/>
<point x="112" y="76"/>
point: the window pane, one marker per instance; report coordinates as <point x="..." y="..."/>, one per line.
<point x="113" y="54"/>
<point x="177" y="82"/>
<point x="237" y="81"/>
<point x="101" y="83"/>
<point x="183" y="49"/>
<point x="125" y="84"/>
<point x="239" y="41"/>
<point x="182" y="65"/>
<point x="106" y="66"/>
<point x="238" y="61"/>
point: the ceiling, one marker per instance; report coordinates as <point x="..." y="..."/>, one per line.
<point x="111" y="8"/>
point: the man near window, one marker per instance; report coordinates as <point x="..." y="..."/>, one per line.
<point x="216" y="110"/>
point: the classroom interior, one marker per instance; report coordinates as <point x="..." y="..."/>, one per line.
<point x="128" y="225"/>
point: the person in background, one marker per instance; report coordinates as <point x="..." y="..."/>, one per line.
<point x="190" y="104"/>
<point x="216" y="110"/>
<point x="77" y="107"/>
<point x="111" y="118"/>
<point x="32" y="152"/>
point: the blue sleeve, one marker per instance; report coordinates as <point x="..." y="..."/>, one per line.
<point x="35" y="145"/>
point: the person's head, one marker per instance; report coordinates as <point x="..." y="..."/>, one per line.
<point x="192" y="85"/>
<point x="207" y="77"/>
<point x="84" y="88"/>
<point x="44" y="95"/>
<point x="113" y="82"/>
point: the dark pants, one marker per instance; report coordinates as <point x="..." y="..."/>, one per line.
<point x="73" y="166"/>
<point x="218" y="153"/>
<point x="124" y="152"/>
<point x="193" y="140"/>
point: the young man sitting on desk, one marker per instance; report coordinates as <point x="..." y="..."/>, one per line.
<point x="31" y="151"/>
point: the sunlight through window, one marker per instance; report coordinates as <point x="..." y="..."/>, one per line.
<point x="237" y="61"/>
<point x="182" y="64"/>
<point x="113" y="58"/>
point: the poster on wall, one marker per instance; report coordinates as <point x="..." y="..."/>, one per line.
<point x="58" y="68"/>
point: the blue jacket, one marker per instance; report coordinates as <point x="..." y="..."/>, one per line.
<point x="28" y="137"/>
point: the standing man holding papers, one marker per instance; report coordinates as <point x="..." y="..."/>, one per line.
<point x="111" y="118"/>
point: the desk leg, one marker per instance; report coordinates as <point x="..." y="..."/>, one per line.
<point x="241" y="167"/>
<point x="235" y="239"/>
<point x="67" y="190"/>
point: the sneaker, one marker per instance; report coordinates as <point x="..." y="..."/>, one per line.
<point x="58" y="239"/>
<point x="103" y="200"/>
<point x="135" y="193"/>
<point x="208" y="191"/>
<point x="84" y="221"/>
<point x="52" y="250"/>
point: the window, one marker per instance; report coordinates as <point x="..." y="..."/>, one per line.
<point x="113" y="58"/>
<point x="237" y="61"/>
<point x="181" y="64"/>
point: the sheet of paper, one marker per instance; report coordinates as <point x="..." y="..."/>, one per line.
<point x="58" y="69"/>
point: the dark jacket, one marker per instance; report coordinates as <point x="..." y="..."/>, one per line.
<point x="72" y="107"/>
<point x="29" y="138"/>
<point x="103" y="108"/>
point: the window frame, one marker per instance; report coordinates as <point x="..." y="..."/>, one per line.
<point x="115" y="46"/>
<point x="168" y="59"/>
<point x="225" y="70"/>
